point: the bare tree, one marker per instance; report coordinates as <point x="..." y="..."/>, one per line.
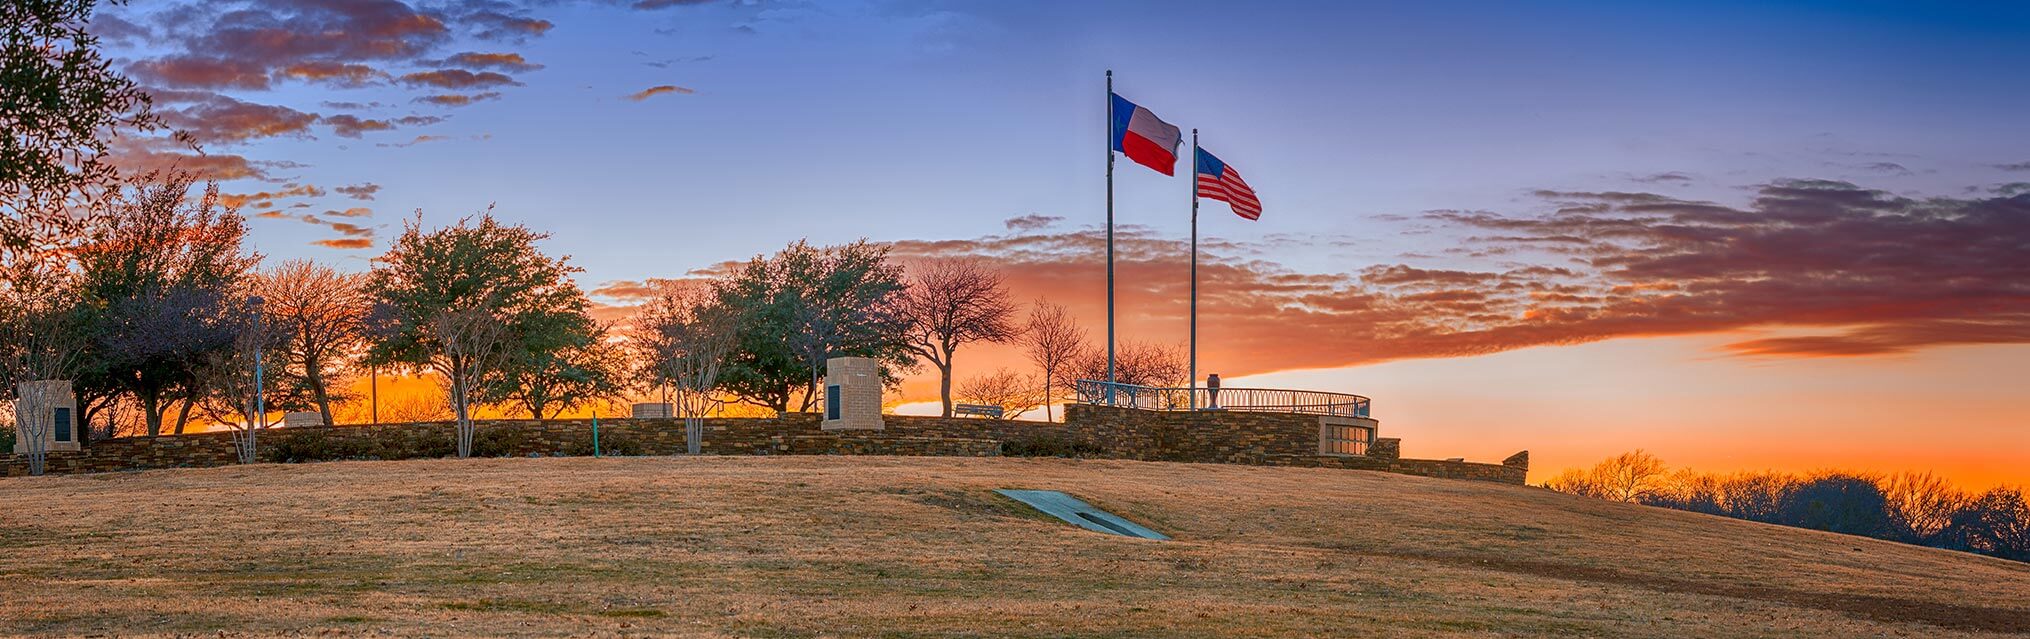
<point x="1136" y="362"/>
<point x="232" y="378"/>
<point x="1052" y="340"/>
<point x="950" y="304"/>
<point x="471" y="342"/>
<point x="415" y="408"/>
<point x="322" y="313"/>
<point x="682" y="337"/>
<point x="1921" y="505"/>
<point x="1014" y="392"/>
<point x="40" y="339"/>
<point x="1633" y="476"/>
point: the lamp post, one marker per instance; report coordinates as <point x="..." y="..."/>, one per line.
<point x="256" y="303"/>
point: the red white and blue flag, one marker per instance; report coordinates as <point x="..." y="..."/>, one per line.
<point x="1143" y="137"/>
<point x="1218" y="181"/>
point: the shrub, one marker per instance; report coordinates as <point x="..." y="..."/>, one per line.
<point x="498" y="441"/>
<point x="1996" y="523"/>
<point x="312" y="446"/>
<point x="610" y="444"/>
<point x="1050" y="445"/>
<point x="321" y="444"/>
<point x="1838" y="502"/>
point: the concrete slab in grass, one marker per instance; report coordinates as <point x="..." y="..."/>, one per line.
<point x="1081" y="514"/>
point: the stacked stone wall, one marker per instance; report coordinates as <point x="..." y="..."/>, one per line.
<point x="1106" y="432"/>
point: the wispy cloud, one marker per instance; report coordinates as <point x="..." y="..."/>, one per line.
<point x="653" y="91"/>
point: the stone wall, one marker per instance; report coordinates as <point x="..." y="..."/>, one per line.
<point x="1098" y="431"/>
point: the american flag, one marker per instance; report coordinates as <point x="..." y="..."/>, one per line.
<point x="1220" y="182"/>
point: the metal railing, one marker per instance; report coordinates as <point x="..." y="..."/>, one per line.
<point x="1260" y="400"/>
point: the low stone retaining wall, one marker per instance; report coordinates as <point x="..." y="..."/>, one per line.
<point x="1089" y="431"/>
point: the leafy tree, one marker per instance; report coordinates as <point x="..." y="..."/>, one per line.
<point x="164" y="283"/>
<point x="951" y="304"/>
<point x="803" y="305"/>
<point x="1995" y="523"/>
<point x="587" y="371"/>
<point x="1838" y="502"/>
<point x="469" y="301"/>
<point x="1052" y="340"/>
<point x="320" y="314"/>
<point x="59" y="101"/>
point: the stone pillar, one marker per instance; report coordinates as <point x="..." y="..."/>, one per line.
<point x="51" y="407"/>
<point x="852" y="394"/>
<point x="1386" y="448"/>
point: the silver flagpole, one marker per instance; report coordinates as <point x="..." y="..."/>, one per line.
<point x="1193" y="392"/>
<point x="1110" y="236"/>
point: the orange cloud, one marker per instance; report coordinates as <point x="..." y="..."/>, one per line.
<point x="503" y="61"/>
<point x="459" y="79"/>
<point x="265" y="199"/>
<point x="361" y="191"/>
<point x="653" y="91"/>
<point x="336" y="73"/>
<point x="458" y="99"/>
<point x="1876" y="272"/>
<point x="212" y="118"/>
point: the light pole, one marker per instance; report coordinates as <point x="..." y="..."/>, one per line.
<point x="260" y="402"/>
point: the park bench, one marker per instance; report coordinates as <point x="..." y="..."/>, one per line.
<point x="979" y="410"/>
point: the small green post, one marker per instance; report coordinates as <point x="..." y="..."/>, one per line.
<point x="595" y="433"/>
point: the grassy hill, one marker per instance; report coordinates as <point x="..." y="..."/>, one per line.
<point x="907" y="547"/>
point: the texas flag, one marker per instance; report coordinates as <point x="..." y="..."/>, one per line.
<point x="1144" y="138"/>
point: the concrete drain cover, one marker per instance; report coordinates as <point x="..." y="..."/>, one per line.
<point x="1081" y="514"/>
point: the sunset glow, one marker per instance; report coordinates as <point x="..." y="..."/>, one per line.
<point x="1739" y="237"/>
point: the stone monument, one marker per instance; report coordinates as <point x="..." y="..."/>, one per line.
<point x="302" y="419"/>
<point x="47" y="409"/>
<point x="852" y="394"/>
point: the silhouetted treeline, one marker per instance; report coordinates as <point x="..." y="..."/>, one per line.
<point x="1915" y="508"/>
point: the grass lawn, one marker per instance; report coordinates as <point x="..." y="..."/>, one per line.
<point x="922" y="547"/>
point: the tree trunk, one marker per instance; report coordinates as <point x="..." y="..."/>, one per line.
<point x="458" y="404"/>
<point x="315" y="376"/>
<point x="151" y="411"/>
<point x="944" y="370"/>
<point x="183" y="416"/>
<point x="1047" y="417"/>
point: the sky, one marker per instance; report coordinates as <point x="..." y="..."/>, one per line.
<point x="1740" y="235"/>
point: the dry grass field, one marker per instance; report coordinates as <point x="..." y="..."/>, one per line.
<point x="921" y="547"/>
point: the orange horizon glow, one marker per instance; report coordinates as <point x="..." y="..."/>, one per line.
<point x="1573" y="406"/>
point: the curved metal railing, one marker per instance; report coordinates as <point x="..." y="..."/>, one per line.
<point x="1261" y="400"/>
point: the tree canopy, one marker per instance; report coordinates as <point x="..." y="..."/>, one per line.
<point x="59" y="101"/>
<point x="803" y="305"/>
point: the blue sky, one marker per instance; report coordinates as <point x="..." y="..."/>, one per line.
<point x="919" y="121"/>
